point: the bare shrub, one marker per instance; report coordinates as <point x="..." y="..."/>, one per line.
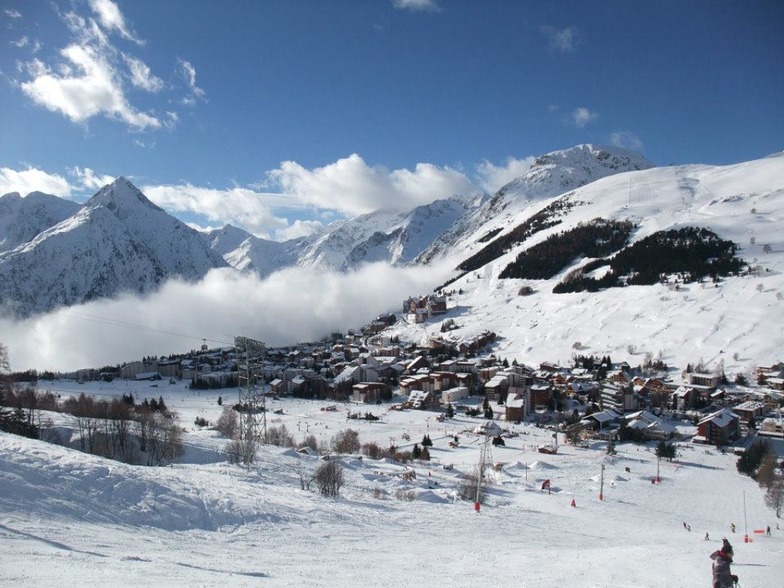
<point x="379" y="493"/>
<point x="346" y="441"/>
<point x="228" y="423"/>
<point x="310" y="441"/>
<point x="405" y="495"/>
<point x="468" y="488"/>
<point x="373" y="450"/>
<point x="241" y="451"/>
<point x="329" y="478"/>
<point x="280" y="436"/>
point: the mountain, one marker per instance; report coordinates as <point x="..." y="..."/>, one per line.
<point x="21" y="219"/>
<point x="250" y="254"/>
<point x="550" y="175"/>
<point x="118" y="241"/>
<point x="685" y="263"/>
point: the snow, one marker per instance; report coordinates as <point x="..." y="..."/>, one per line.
<point x="70" y="519"/>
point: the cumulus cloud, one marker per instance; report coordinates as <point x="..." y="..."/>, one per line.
<point x="90" y="76"/>
<point x="353" y="187"/>
<point x="626" y="139"/>
<point x="239" y="206"/>
<point x="493" y="177"/>
<point x="582" y="116"/>
<point x="417" y="5"/>
<point x="562" y="40"/>
<point x="86" y="88"/>
<point x="299" y="305"/>
<point x="88" y="179"/>
<point x="33" y="180"/>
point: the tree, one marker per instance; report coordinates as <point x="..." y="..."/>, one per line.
<point x="774" y="497"/>
<point x="666" y="450"/>
<point x="426" y="442"/>
<point x="450" y="411"/>
<point x="329" y="478"/>
<point x="749" y="463"/>
<point x="346" y="441"/>
<point x="228" y="423"/>
<point x="416" y="453"/>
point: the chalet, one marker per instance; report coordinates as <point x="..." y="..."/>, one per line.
<point x="605" y="419"/>
<point x="540" y="394"/>
<point x="718" y="428"/>
<point x="141" y="376"/>
<point x="686" y="398"/>
<point x="444" y="381"/>
<point x="421" y="400"/>
<point x="651" y="426"/>
<point x="751" y="409"/>
<point x="417" y="363"/>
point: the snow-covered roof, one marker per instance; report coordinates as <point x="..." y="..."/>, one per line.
<point x="721" y="417"/>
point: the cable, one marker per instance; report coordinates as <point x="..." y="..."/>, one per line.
<point x="127" y="325"/>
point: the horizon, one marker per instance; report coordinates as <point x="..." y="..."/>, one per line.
<point x="280" y="118"/>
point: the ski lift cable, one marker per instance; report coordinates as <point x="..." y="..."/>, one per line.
<point x="138" y="327"/>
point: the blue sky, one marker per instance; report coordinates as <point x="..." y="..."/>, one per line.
<point x="281" y="116"/>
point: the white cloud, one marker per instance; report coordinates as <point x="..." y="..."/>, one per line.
<point x="189" y="73"/>
<point x="240" y="206"/>
<point x="492" y="177"/>
<point x="352" y="187"/>
<point x="315" y="303"/>
<point x="88" y="179"/>
<point x="33" y="180"/>
<point x="22" y="42"/>
<point x="626" y="139"/>
<point x="87" y="89"/>
<point x="417" y="5"/>
<point x="563" y="40"/>
<point x="141" y="76"/>
<point x="299" y="228"/>
<point x="112" y="19"/>
<point x="12" y="13"/>
<point x="582" y="116"/>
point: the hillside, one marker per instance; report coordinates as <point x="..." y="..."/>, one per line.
<point x="70" y="518"/>
<point x="731" y="320"/>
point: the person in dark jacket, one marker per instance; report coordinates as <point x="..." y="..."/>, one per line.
<point x="722" y="574"/>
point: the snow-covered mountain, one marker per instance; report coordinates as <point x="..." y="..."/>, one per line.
<point x="728" y="320"/>
<point x="21" y="219"/>
<point x="250" y="254"/>
<point x="550" y="175"/>
<point x="117" y="242"/>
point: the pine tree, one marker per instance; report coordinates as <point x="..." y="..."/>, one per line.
<point x="416" y="453"/>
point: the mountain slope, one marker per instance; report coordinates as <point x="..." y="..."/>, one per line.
<point x="733" y="320"/>
<point x="21" y="219"/>
<point x="117" y="242"/>
<point x="250" y="254"/>
<point x="550" y="175"/>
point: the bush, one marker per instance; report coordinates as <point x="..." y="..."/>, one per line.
<point x="280" y="436"/>
<point x="346" y="441"/>
<point x="329" y="478"/>
<point x="228" y="423"/>
<point x="310" y="441"/>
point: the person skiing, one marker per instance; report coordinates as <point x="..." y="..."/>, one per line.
<point x="722" y="574"/>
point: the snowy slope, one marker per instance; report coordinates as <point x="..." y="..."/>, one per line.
<point x="250" y="254"/>
<point x="117" y="242"/>
<point x="22" y="218"/>
<point x="69" y="519"/>
<point x="735" y="322"/>
<point x="550" y="175"/>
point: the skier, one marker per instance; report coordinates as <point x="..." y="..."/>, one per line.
<point x="722" y="574"/>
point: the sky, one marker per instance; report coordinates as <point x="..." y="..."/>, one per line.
<point x="281" y="117"/>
